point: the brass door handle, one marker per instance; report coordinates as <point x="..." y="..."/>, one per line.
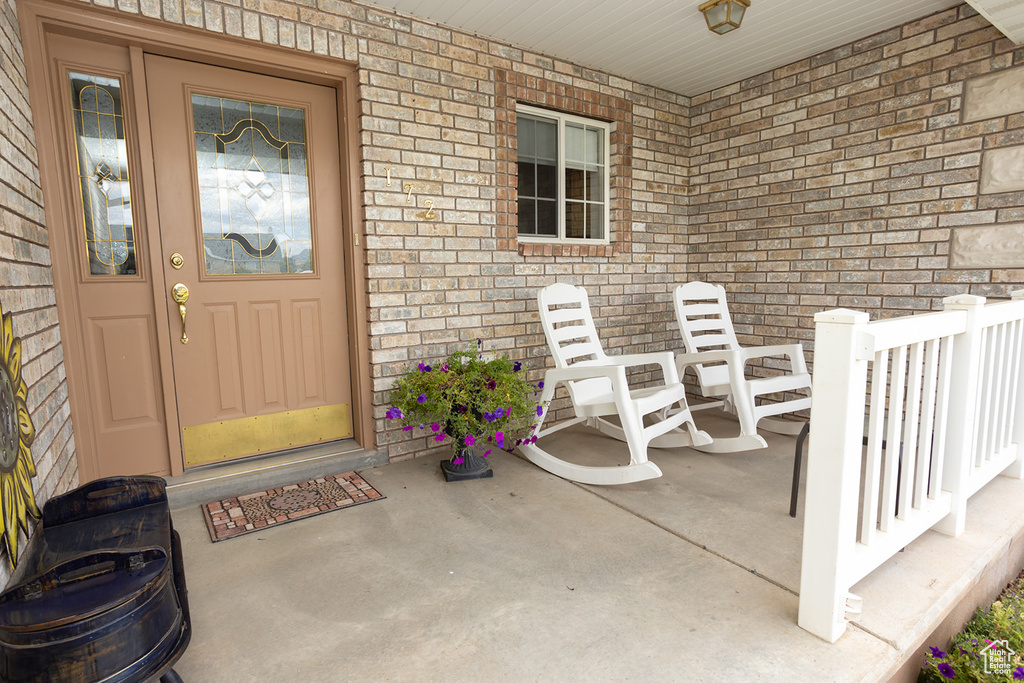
<point x="179" y="293"/>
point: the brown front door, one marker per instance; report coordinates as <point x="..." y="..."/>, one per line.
<point x="247" y="174"/>
<point x="173" y="176"/>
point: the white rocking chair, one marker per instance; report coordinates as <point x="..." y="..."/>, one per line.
<point x="719" y="362"/>
<point x="597" y="387"/>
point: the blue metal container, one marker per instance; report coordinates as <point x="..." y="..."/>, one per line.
<point x="100" y="593"/>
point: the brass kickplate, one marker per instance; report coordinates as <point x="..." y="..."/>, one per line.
<point x="227" y="439"/>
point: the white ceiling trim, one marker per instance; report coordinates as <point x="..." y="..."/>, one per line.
<point x="1006" y="15"/>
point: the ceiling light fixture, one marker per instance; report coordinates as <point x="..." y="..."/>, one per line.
<point x="724" y="15"/>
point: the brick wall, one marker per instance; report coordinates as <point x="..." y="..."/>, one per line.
<point x="836" y="181"/>
<point x="26" y="284"/>
<point x="437" y="107"/>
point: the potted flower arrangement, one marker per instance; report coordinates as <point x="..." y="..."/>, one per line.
<point x="480" y="405"/>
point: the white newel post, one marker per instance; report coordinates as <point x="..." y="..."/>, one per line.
<point x="833" y="470"/>
<point x="963" y="402"/>
<point x="1016" y="470"/>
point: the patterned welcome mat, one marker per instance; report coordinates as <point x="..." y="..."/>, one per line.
<point x="243" y="514"/>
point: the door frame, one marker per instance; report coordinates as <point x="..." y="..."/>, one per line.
<point x="40" y="18"/>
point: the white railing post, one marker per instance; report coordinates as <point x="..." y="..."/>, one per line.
<point x="961" y="427"/>
<point x="1016" y="470"/>
<point x="833" y="470"/>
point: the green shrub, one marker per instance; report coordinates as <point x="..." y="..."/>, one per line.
<point x="978" y="653"/>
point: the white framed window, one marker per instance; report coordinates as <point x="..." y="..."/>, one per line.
<point x="563" y="177"/>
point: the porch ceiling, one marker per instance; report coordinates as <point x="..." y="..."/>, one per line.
<point x="666" y="42"/>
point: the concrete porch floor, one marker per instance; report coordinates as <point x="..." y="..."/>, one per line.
<point x="528" y="577"/>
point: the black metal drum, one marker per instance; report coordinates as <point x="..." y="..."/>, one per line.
<point x="100" y="593"/>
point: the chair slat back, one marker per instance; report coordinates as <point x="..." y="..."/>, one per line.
<point x="571" y="335"/>
<point x="568" y="325"/>
<point x="705" y="325"/>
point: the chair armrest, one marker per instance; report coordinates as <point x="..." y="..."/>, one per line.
<point x="663" y="358"/>
<point x="579" y="372"/>
<point x="795" y="352"/>
<point x="684" y="360"/>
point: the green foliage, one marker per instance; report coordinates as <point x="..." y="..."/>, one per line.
<point x="965" y="657"/>
<point x="486" y="403"/>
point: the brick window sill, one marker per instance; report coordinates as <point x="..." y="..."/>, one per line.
<point x="560" y="249"/>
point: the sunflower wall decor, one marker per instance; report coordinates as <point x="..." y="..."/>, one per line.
<point x="17" y="500"/>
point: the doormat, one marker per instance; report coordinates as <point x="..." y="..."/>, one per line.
<point x="240" y="515"/>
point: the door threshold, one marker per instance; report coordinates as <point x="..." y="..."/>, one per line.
<point x="213" y="482"/>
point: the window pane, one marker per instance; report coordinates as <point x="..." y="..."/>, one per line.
<point x="547" y="181"/>
<point x="595" y="184"/>
<point x="574" y="142"/>
<point x="575" y="213"/>
<point x="547" y="140"/>
<point x="527" y="179"/>
<point x="574" y="183"/>
<point x="103" y="174"/>
<point x="526" y="137"/>
<point x="594" y="148"/>
<point x="595" y="221"/>
<point x="547" y="218"/>
<point x="527" y="216"/>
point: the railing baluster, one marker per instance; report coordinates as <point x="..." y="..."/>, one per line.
<point x="893" y="420"/>
<point x="925" y="461"/>
<point x="873" y="462"/>
<point x="906" y="450"/>
<point x="941" y="416"/>
<point x="981" y="439"/>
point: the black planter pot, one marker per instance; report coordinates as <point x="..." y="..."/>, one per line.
<point x="471" y="467"/>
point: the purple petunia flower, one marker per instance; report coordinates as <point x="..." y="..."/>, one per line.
<point x="937" y="653"/>
<point x="424" y="367"/>
<point x="499" y="437"/>
<point x="489" y="417"/>
<point x="498" y="413"/>
<point x="517" y="367"/>
<point x="492" y="385"/>
<point x="470" y="439"/>
<point x="434" y="427"/>
<point x="540" y="410"/>
<point x="407" y="428"/>
<point x="1018" y="673"/>
<point x="486" y="454"/>
<point x="946" y="670"/>
<point x="439" y="437"/>
<point x="540" y="385"/>
<point x="479" y="343"/>
<point x="444" y="367"/>
<point x="458" y="461"/>
<point x="422" y="398"/>
<point x="394" y="413"/>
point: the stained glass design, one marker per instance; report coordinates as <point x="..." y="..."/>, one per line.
<point x="253" y="187"/>
<point x="103" y="174"/>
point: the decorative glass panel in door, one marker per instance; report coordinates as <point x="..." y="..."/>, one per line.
<point x="103" y="174"/>
<point x="253" y="186"/>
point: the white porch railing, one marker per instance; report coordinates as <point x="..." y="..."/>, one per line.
<point x="942" y="415"/>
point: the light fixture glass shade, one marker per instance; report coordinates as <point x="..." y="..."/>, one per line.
<point x="724" y="15"/>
